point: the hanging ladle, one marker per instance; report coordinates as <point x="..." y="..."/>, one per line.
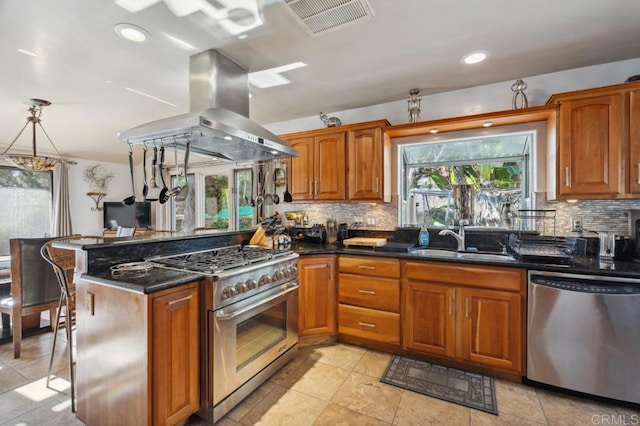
<point x="174" y="190"/>
<point x="259" y="198"/>
<point x="184" y="191"/>
<point x="268" y="197"/>
<point x="132" y="199"/>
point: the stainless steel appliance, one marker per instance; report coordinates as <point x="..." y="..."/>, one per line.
<point x="250" y="319"/>
<point x="582" y="333"/>
<point x="218" y="124"/>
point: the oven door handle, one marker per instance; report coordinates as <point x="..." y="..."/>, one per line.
<point x="239" y="312"/>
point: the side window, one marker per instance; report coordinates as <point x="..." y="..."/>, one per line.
<point x="26" y="207"/>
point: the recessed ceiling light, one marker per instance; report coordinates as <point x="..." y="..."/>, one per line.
<point x="475" y="57"/>
<point x="132" y="33"/>
<point x="242" y="36"/>
<point x="228" y="138"/>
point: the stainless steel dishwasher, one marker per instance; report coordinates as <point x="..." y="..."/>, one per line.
<point x="583" y="333"/>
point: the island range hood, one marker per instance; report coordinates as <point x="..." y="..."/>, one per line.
<point x="218" y="124"/>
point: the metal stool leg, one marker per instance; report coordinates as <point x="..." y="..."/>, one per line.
<point x="72" y="374"/>
<point x="55" y="337"/>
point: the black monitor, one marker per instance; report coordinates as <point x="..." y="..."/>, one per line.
<point x="117" y="214"/>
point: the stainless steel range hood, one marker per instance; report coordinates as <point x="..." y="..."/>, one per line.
<point x="217" y="125"/>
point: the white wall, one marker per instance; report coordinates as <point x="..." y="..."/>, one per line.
<point x="480" y="99"/>
<point x="85" y="221"/>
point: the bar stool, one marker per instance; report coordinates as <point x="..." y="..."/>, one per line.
<point x="64" y="263"/>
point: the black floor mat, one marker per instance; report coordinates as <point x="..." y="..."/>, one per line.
<point x="449" y="384"/>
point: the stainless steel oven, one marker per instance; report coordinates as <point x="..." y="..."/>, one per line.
<point x="249" y="318"/>
<point x="249" y="335"/>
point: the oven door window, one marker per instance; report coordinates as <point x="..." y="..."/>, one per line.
<point x="260" y="333"/>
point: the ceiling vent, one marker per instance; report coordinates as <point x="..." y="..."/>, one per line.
<point x="321" y="16"/>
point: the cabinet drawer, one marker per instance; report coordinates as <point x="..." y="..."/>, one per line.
<point x="472" y="275"/>
<point x="373" y="266"/>
<point x="369" y="292"/>
<point x="369" y="324"/>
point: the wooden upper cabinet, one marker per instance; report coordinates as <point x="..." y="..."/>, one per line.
<point x="590" y="153"/>
<point x="301" y="169"/>
<point x="330" y="165"/>
<point x="364" y="151"/>
<point x="634" y="142"/>
<point x="318" y="173"/>
<point x="598" y="150"/>
<point x="321" y="171"/>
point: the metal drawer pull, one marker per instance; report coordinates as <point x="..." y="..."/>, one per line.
<point x="638" y="172"/>
<point x="366" y="324"/>
<point x="466" y="308"/>
<point x="182" y="299"/>
<point x="366" y="267"/>
<point x="567" y="177"/>
<point x="367" y="291"/>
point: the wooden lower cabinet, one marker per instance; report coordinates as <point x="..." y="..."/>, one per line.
<point x="491" y="327"/>
<point x="316" y="296"/>
<point x="175" y="356"/>
<point x="429" y="323"/>
<point x="138" y="356"/>
<point x="446" y="313"/>
<point x="369" y="299"/>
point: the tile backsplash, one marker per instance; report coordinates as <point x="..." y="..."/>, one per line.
<point x="596" y="215"/>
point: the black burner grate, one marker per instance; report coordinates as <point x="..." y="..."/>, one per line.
<point x="222" y="259"/>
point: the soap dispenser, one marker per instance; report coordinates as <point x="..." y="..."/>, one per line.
<point x="423" y="237"/>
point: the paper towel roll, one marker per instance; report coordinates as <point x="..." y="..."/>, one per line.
<point x="412" y="219"/>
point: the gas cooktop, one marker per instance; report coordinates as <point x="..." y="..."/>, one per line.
<point x="215" y="261"/>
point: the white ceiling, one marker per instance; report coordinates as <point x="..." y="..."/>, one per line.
<point x="82" y="67"/>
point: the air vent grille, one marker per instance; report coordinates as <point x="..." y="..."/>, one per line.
<point x="320" y="16"/>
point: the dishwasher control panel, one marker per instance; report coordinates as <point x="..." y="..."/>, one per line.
<point x="582" y="285"/>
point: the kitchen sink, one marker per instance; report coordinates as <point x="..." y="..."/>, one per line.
<point x="448" y="254"/>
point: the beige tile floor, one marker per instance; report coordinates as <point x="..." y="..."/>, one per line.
<point x="328" y="385"/>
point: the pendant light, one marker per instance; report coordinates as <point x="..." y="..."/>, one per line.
<point x="35" y="162"/>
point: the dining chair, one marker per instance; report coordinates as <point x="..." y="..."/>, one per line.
<point x="33" y="289"/>
<point x="63" y="262"/>
<point x="125" y="231"/>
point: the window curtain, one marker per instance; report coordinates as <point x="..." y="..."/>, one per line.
<point x="61" y="210"/>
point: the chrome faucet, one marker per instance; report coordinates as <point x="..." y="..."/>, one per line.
<point x="459" y="236"/>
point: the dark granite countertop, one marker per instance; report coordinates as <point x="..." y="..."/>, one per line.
<point x="157" y="279"/>
<point x="151" y="281"/>
<point x="581" y="265"/>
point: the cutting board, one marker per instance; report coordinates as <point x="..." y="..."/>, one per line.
<point x="363" y="241"/>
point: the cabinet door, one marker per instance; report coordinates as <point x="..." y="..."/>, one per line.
<point x="364" y="151"/>
<point x="330" y="165"/>
<point x="634" y="142"/>
<point x="300" y="172"/>
<point x="429" y="323"/>
<point x="316" y="296"/>
<point x="591" y="136"/>
<point x="174" y="355"/>
<point x="490" y="328"/>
